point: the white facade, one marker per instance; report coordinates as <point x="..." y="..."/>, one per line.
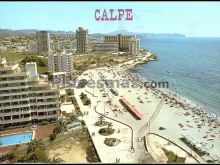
<point x="31" y="69"/>
<point x="65" y="62"/>
<point x="3" y="48"/>
<point x="61" y="62"/>
<point x="134" y="46"/>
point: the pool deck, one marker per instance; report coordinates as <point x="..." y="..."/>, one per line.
<point x="40" y="132"/>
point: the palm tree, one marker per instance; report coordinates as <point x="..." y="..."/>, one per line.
<point x="101" y="118"/>
<point x="109" y="125"/>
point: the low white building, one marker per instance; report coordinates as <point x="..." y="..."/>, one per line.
<point x="59" y="78"/>
<point x="3" y="48"/>
<point x="21" y="49"/>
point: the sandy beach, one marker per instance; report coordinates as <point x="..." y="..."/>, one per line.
<point x="175" y="115"/>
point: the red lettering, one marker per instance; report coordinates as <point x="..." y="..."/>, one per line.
<point x="109" y="15"/>
<point x="104" y="15"/>
<point x="129" y="16"/>
<point x="112" y="19"/>
<point x="97" y="11"/>
<point x="120" y="14"/>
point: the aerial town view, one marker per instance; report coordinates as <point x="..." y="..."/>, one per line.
<point x="109" y="82"/>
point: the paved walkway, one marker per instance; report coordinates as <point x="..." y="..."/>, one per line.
<point x="121" y="152"/>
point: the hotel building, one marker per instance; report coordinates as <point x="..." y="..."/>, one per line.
<point x="122" y="40"/>
<point x="82" y="41"/>
<point x="24" y="98"/>
<point x="105" y="46"/>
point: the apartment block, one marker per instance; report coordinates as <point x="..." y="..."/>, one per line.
<point x="61" y="62"/>
<point x="134" y="46"/>
<point x="43" y="42"/>
<point x="82" y="41"/>
<point x="24" y="97"/>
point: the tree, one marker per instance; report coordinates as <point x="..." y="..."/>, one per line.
<point x="87" y="102"/>
<point x="109" y="126"/>
<point x="41" y="155"/>
<point x="36" y="152"/>
<point x="35" y="144"/>
<point x="101" y="118"/>
<point x="61" y="126"/>
<point x="82" y="96"/>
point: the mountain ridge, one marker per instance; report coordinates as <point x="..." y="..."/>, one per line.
<point x="125" y="32"/>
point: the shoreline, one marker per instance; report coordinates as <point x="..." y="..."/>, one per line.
<point x="185" y="100"/>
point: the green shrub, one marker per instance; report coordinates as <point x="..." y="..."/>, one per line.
<point x="87" y="102"/>
<point x="53" y="136"/>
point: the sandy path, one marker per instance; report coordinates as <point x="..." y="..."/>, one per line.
<point x="74" y="155"/>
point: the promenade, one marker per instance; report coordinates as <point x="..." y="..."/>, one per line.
<point x="128" y="129"/>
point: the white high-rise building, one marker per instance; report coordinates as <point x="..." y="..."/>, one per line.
<point x="43" y="42"/>
<point x="134" y="46"/>
<point x="61" y="62"/>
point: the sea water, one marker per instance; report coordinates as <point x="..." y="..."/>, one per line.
<point x="190" y="65"/>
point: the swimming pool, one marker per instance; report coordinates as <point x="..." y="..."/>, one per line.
<point x="17" y="138"/>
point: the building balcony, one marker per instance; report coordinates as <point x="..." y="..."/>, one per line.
<point x="44" y="97"/>
<point x="15" y="106"/>
<point x="48" y="116"/>
<point x="45" y="103"/>
<point x="47" y="90"/>
<point x="14" y="75"/>
<point x="15" y="113"/>
<point x="17" y="93"/>
<point x="14" y="87"/>
<point x="15" y="120"/>
<point x="46" y="109"/>
<point x="13" y="100"/>
<point x="12" y="81"/>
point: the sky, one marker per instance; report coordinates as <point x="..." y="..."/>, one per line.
<point x="196" y="19"/>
